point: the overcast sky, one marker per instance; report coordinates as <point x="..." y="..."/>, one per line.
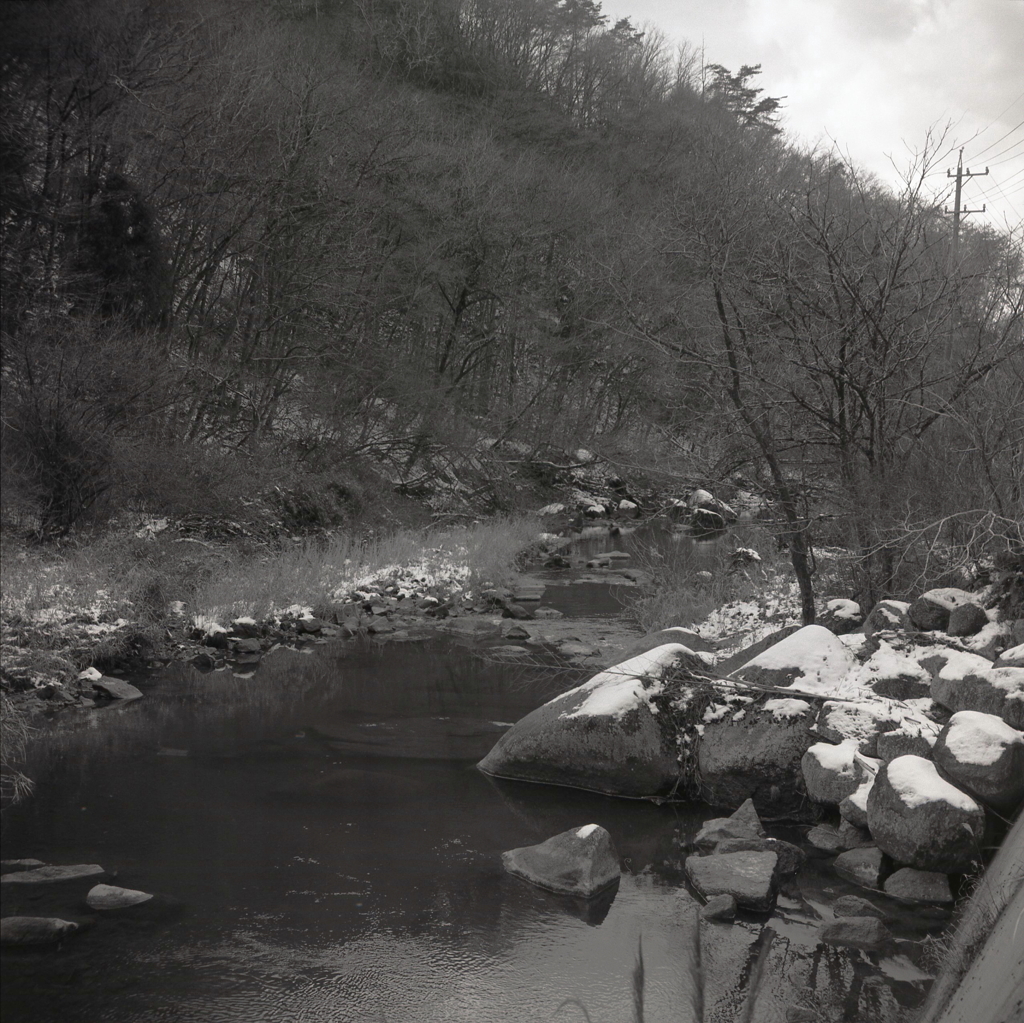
<point x="875" y="75"/>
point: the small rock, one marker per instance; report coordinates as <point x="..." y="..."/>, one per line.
<point x="106" y="896"/>
<point x="516" y="611"/>
<point x="854" y="905"/>
<point x="861" y="866"/>
<point x="719" y="907"/>
<point x="512" y="631"/>
<point x="919" y="886"/>
<point x="832" y="772"/>
<point x="854" y="808"/>
<point x="907" y="739"/>
<point x="854" y="836"/>
<point x="826" y="838"/>
<point x="867" y="933"/>
<point x="790" y="857"/>
<point x="722" y="829"/>
<point x="841" y="617"/>
<point x="246" y="646"/>
<point x="547" y="612"/>
<point x="34" y="930"/>
<point x="116" y="689"/>
<point x="310" y="624"/>
<point x="204" y="661"/>
<point x="580" y="861"/>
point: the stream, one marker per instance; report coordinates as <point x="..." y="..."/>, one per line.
<point x="334" y="855"/>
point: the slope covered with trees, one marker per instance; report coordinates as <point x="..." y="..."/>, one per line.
<point x="289" y="246"/>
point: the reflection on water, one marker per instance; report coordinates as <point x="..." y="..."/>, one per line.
<point x="338" y="858"/>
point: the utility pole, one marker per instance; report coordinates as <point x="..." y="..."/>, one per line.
<point x="957" y="211"/>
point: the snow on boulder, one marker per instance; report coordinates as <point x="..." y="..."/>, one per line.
<point x="749" y="877"/>
<point x="861" y="722"/>
<point x="607" y="735"/>
<point x="811" y="660"/>
<point x="984" y="756"/>
<point x="831" y="773"/>
<point x="888" y="616"/>
<point x="841" y="616"/>
<point x="916" y="734"/>
<point x="931" y="610"/>
<point x="922" y="820"/>
<point x="580" y="861"/>
<point x="754" y="753"/>
<point x="629" y="509"/>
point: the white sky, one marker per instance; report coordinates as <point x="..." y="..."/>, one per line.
<point x="875" y="75"/>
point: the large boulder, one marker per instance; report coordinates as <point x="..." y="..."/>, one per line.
<point x="580" y="861"/>
<point x="962" y="685"/>
<point x="831" y="773"/>
<point x="921" y="820"/>
<point x="984" y="756"/>
<point x="931" y="611"/>
<point x="756" y="756"/>
<point x="916" y="734"/>
<point x="811" y="660"/>
<point x="749" y="877"/>
<point x="841" y="616"/>
<point x="892" y="674"/>
<point x="607" y="735"/>
<point x="1012" y="658"/>
<point x="967" y="620"/>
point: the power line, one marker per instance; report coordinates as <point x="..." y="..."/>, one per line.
<point x="1001" y="137"/>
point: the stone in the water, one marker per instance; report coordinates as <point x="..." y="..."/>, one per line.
<point x="580" y="861"/>
<point x="791" y="858"/>
<point x="862" y="866"/>
<point x="854" y="905"/>
<point x="8" y="866"/>
<point x="720" y="907"/>
<point x="832" y="772"/>
<point x="826" y="838"/>
<point x="749" y="877"/>
<point x="54" y="874"/>
<point x="867" y="933"/>
<point x="34" y="930"/>
<point x="108" y="896"/>
<point x="984" y="756"/>
<point x="919" y="886"/>
<point x="116" y="689"/>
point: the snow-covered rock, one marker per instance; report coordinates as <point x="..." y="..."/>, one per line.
<point x="932" y="609"/>
<point x="916" y="734"/>
<point x="811" y="660"/>
<point x="922" y="820"/>
<point x="607" y="734"/>
<point x="629" y="509"/>
<point x="581" y="861"/>
<point x="854" y="808"/>
<point x="990" y="690"/>
<point x="841" y="616"/>
<point x="967" y="620"/>
<point x="552" y="509"/>
<point x="888" y="616"/>
<point x="1012" y="658"/>
<point x="893" y="674"/>
<point x="984" y="756"/>
<point x="831" y="773"/>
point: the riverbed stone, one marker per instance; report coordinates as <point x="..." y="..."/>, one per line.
<point x="9" y="866"/>
<point x="854" y="808"/>
<point x="910" y="738"/>
<point x="116" y="689"/>
<point x="841" y="720"/>
<point x="581" y="861"/>
<point x="984" y="756"/>
<point x="108" y="896"/>
<point x="919" y="886"/>
<point x="607" y="735"/>
<point x="923" y="821"/>
<point x="810" y="659"/>
<point x="865" y="867"/>
<point x="54" y="874"/>
<point x="854" y="905"/>
<point x="34" y="930"/>
<point x="719" y="907"/>
<point x="888" y="616"/>
<point x="826" y="838"/>
<point x="790" y="857"/>
<point x="997" y="691"/>
<point x="832" y="772"/>
<point x="747" y="876"/>
<point x="866" y="933"/>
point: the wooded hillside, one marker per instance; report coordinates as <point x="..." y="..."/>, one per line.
<point x="284" y="247"/>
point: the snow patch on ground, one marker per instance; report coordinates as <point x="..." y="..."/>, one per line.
<point x="823" y="663"/>
<point x="786" y="709"/>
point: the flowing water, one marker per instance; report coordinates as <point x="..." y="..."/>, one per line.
<point x="333" y="854"/>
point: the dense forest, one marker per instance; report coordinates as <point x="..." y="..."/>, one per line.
<point x="284" y="246"/>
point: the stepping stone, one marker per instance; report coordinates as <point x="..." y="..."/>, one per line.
<point x="580" y="861"/>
